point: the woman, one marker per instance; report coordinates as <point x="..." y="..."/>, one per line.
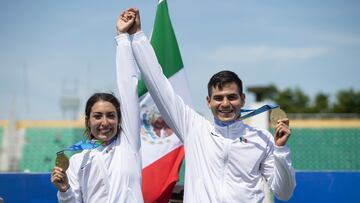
<point x="112" y="171"/>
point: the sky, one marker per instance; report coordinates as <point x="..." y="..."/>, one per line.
<point x="50" y="48"/>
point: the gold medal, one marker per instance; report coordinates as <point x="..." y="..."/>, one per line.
<point x="61" y="160"/>
<point x="275" y="115"/>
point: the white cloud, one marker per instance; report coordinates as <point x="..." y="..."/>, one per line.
<point x="266" y="53"/>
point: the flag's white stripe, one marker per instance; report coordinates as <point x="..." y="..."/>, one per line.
<point x="154" y="151"/>
<point x="151" y="153"/>
<point x="180" y="83"/>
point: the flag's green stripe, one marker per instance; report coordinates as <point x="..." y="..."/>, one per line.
<point x="164" y="42"/>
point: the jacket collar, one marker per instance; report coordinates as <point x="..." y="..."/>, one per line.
<point x="232" y="129"/>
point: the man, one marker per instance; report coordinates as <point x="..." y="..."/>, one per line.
<point x="226" y="160"/>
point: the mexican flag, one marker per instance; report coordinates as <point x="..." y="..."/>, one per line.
<point x="162" y="151"/>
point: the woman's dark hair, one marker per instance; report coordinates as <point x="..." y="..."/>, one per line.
<point x="222" y="78"/>
<point x="100" y="96"/>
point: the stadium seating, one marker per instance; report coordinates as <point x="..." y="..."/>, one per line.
<point x="41" y="145"/>
<point x="325" y="148"/>
<point x="313" y="149"/>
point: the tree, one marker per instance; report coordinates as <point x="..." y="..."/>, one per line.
<point x="271" y="93"/>
<point x="293" y="101"/>
<point x="347" y="101"/>
<point x="321" y="104"/>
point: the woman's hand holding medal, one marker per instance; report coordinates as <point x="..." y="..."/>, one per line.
<point x="58" y="175"/>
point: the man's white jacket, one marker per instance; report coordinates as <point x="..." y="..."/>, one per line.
<point x="223" y="163"/>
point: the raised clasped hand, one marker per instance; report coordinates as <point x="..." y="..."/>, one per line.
<point x="125" y="21"/>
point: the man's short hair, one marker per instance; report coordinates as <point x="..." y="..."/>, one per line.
<point x="222" y="78"/>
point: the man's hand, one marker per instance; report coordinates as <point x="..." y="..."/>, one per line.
<point x="125" y="21"/>
<point x="282" y="132"/>
<point x="136" y="27"/>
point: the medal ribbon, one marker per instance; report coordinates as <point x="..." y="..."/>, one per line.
<point x="63" y="162"/>
<point x="257" y="111"/>
<point x="87" y="144"/>
<point x="83" y="144"/>
<point x="252" y="112"/>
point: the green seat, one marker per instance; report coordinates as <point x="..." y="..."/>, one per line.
<point x="41" y="145"/>
<point x="325" y="148"/>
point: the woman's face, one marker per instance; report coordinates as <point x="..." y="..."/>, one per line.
<point x="103" y="121"/>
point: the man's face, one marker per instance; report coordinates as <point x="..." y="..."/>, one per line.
<point x="226" y="103"/>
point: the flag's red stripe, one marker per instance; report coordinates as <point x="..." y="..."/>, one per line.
<point x="159" y="178"/>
